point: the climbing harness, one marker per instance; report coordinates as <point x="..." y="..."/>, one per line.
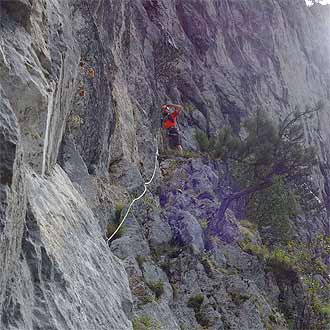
<point x="173" y="136"/>
<point x="137" y="198"/>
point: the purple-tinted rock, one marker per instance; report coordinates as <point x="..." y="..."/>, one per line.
<point x="205" y="195"/>
<point x="163" y="199"/>
<point x="186" y="229"/>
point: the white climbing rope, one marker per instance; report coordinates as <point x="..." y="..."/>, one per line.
<point x="137" y="198"/>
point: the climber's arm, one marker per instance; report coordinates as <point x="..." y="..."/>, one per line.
<point x="177" y="107"/>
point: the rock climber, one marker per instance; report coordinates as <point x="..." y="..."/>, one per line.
<point x="170" y="113"/>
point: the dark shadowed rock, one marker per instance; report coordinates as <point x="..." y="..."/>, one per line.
<point x="20" y="10"/>
<point x="8" y="142"/>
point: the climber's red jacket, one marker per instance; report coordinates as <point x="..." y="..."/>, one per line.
<point x="170" y="120"/>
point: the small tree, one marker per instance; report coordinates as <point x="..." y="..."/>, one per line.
<point x="271" y="210"/>
<point x="268" y="152"/>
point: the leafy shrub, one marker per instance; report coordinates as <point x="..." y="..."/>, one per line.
<point x="195" y="302"/>
<point x="260" y="251"/>
<point x="111" y="228"/>
<point x="281" y="261"/>
<point x="113" y="225"/>
<point x="146" y="299"/>
<point x="248" y="229"/>
<point x="325" y="310"/>
<point x="271" y="209"/>
<point x="302" y="262"/>
<point x="239" y="298"/>
<point x="218" y="146"/>
<point x="140" y="260"/>
<point x="149" y="203"/>
<point x="249" y="225"/>
<point x="188" y="107"/>
<point x="166" y="266"/>
<point x="144" y="322"/>
<point x="203" y="141"/>
<point x="187" y="154"/>
<point x="270" y="153"/>
<point x="157" y="288"/>
<point x="118" y="210"/>
<point x="76" y="121"/>
<point x="204" y="223"/>
<point x="169" y="250"/>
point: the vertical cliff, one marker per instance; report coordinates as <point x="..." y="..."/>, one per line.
<point x="80" y="84"/>
<point x="50" y="238"/>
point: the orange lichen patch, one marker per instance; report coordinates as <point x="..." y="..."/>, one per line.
<point x="91" y="73"/>
<point x="82" y="92"/>
<point x="82" y="63"/>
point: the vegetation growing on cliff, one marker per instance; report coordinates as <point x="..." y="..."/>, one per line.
<point x="300" y="265"/>
<point x="272" y="158"/>
<point x="272" y="168"/>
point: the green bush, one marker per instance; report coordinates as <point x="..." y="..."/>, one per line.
<point x="271" y="209"/>
<point x="157" y="288"/>
<point x="248" y="229"/>
<point x="75" y="121"/>
<point x="144" y="300"/>
<point x="195" y="302"/>
<point x="140" y="260"/>
<point x="239" y="298"/>
<point x="111" y="228"/>
<point x="280" y="260"/>
<point x="301" y="262"/>
<point x="248" y="225"/>
<point x="118" y="210"/>
<point x="325" y="310"/>
<point x="170" y="250"/>
<point x="260" y="251"/>
<point x="203" y="141"/>
<point x="166" y="266"/>
<point x="219" y="145"/>
<point x="149" y="203"/>
<point x="188" y="154"/>
<point x="113" y="225"/>
<point x="144" y="322"/>
<point x="271" y="156"/>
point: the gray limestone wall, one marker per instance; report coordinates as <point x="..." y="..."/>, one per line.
<point x="42" y="261"/>
<point x="80" y="87"/>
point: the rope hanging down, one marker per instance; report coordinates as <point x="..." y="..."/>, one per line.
<point x="137" y="198"/>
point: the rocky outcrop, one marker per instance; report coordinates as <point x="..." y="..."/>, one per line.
<point x="41" y="285"/>
<point x="12" y="193"/>
<point x="80" y="87"/>
<point x="226" y="281"/>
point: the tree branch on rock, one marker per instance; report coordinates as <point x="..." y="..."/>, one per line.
<point x="269" y="151"/>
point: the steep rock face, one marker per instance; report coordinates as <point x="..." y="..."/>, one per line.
<point x="242" y="64"/>
<point x="12" y="193"/>
<point x="223" y="289"/>
<point x="77" y="283"/>
<point x="41" y="285"/>
<point x="81" y="83"/>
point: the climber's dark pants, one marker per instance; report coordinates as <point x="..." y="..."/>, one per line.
<point x="173" y="137"/>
